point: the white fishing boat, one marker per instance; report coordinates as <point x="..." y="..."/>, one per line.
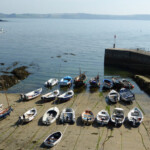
<point x="50" y="115"/>
<point x="114" y="96"/>
<point x="51" y="82"/>
<point x="53" y="139"/>
<point x="50" y="96"/>
<point x="135" y="117"/>
<point x="31" y="95"/>
<point x="103" y="117"/>
<point x="66" y="96"/>
<point x="87" y="117"/>
<point x="28" y="116"/>
<point x="67" y="116"/>
<point x="118" y="116"/>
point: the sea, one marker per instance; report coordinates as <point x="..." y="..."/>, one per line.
<point x="54" y="48"/>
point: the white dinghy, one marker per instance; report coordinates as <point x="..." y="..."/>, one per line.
<point x="50" y="96"/>
<point x="28" y="116"/>
<point x="135" y="117"/>
<point x="118" y="116"/>
<point x="53" y="139"/>
<point x="50" y="115"/>
<point x="31" y="95"/>
<point x="114" y="96"/>
<point x="51" y="82"/>
<point x="103" y="117"/>
<point x="66" y="96"/>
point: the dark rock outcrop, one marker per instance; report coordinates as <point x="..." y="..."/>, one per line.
<point x="20" y="72"/>
<point x="17" y="74"/>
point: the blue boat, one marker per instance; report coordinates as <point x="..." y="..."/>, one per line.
<point x="66" y="81"/>
<point x="126" y="95"/>
<point x="5" y="112"/>
<point x="107" y="84"/>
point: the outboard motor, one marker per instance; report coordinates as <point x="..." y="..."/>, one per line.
<point x="116" y="122"/>
<point x="115" y="98"/>
<point x="22" y="96"/>
<point x="49" y="84"/>
<point x="134" y="122"/>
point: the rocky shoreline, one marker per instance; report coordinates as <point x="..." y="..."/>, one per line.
<point x="10" y="78"/>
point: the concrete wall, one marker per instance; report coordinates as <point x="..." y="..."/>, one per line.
<point x="134" y="60"/>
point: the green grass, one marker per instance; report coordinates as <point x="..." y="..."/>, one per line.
<point x="100" y="94"/>
<point x="108" y="109"/>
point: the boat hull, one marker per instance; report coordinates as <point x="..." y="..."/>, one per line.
<point x="31" y="95"/>
<point x="48" y="99"/>
<point x="6" y="113"/>
<point x="134" y="124"/>
<point x="64" y="99"/>
<point x="50" y="116"/>
<point x="49" y="142"/>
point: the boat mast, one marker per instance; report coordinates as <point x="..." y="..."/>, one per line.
<point x="80" y="70"/>
<point x="7" y="98"/>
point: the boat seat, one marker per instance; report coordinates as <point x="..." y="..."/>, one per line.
<point x="135" y="114"/>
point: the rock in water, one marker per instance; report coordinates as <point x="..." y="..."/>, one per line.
<point x="7" y="81"/>
<point x="20" y="72"/>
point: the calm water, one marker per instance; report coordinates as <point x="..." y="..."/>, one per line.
<point x="41" y="41"/>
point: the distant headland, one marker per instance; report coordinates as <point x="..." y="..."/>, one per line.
<point x="2" y="20"/>
<point x="77" y="16"/>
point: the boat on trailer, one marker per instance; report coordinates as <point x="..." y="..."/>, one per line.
<point x="53" y="139"/>
<point x="50" y="96"/>
<point x="31" y="95"/>
<point x="135" y="117"/>
<point x="103" y="117"/>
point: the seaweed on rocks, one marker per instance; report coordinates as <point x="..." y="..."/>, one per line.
<point x="17" y="74"/>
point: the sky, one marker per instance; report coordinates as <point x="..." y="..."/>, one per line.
<point x="114" y="7"/>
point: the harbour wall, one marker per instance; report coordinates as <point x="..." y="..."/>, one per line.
<point x="133" y="60"/>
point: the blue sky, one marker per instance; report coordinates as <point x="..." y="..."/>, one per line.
<point x="115" y="7"/>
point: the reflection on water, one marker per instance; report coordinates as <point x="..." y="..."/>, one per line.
<point x="116" y="72"/>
